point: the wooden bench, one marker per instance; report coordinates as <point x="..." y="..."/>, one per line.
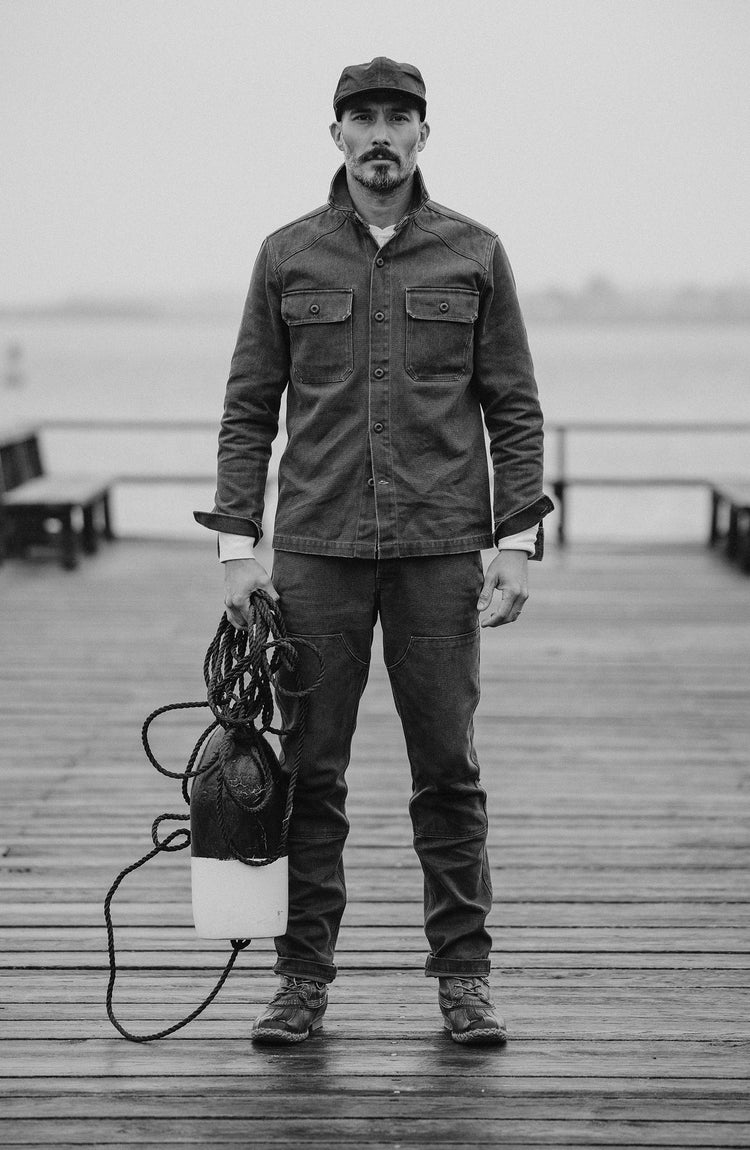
<point x="30" y="499"/>
<point x="730" y="505"/>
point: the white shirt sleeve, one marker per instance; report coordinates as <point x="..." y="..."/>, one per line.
<point x="235" y="546"/>
<point x="521" y="541"/>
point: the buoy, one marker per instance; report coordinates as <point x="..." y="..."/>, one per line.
<point x="239" y="797"/>
<point x="236" y="810"/>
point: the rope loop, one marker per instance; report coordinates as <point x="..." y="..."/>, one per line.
<point x="177" y="839"/>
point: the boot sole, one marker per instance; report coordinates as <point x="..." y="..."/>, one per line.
<point x="285" y="1037"/>
<point x="478" y="1037"/>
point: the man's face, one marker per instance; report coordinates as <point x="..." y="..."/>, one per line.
<point x="380" y="139"/>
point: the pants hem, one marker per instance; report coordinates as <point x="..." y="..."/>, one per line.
<point x="303" y="968"/>
<point x="457" y="968"/>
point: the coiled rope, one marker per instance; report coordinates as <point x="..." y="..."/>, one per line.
<point x="241" y="671"/>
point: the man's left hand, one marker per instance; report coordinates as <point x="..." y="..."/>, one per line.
<point x="507" y="580"/>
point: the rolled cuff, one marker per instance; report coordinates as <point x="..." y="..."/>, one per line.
<point x="522" y="520"/>
<point x="231" y="524"/>
<point x="457" y="967"/>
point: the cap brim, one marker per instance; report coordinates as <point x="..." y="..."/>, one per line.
<point x="419" y="101"/>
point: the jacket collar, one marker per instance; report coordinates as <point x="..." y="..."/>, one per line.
<point x="339" y="198"/>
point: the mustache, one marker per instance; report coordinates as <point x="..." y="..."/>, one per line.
<point x="379" y="154"/>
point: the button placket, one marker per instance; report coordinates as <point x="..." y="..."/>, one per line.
<point x="380" y="336"/>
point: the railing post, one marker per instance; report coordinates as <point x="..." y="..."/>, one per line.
<point x="559" y="487"/>
<point x="559" y="490"/>
<point x="713" y="533"/>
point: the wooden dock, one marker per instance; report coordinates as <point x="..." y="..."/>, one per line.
<point x="614" y="734"/>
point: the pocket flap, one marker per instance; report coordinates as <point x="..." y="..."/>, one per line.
<point x="451" y="305"/>
<point x="320" y="306"/>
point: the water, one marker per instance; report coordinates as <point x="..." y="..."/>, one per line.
<point x="176" y="369"/>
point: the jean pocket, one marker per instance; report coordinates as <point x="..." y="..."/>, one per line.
<point x="440" y="332"/>
<point x="320" y="334"/>
<point x="434" y="648"/>
<point x="353" y="647"/>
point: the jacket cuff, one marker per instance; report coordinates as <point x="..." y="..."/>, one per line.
<point x="524" y="519"/>
<point x="231" y="524"/>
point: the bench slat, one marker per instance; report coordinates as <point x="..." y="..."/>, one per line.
<point x="59" y="491"/>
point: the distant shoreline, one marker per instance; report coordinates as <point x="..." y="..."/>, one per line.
<point x="601" y="301"/>
<point x="598" y="301"/>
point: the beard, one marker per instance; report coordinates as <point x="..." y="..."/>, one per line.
<point x="382" y="180"/>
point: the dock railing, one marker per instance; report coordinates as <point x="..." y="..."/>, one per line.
<point x="560" y="477"/>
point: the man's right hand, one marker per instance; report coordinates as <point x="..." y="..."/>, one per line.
<point x="241" y="578"/>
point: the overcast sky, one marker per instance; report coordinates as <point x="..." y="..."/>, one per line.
<point x="149" y="145"/>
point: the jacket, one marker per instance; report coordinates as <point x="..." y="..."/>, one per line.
<point x="391" y="359"/>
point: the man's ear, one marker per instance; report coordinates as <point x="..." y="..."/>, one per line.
<point x="424" y="131"/>
<point x="335" y="131"/>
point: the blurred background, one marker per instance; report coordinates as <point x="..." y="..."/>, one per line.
<point x="149" y="145"/>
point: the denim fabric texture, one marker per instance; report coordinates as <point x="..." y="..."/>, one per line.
<point x="393" y="360"/>
<point x="430" y="627"/>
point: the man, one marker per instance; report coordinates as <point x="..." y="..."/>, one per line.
<point x="393" y="324"/>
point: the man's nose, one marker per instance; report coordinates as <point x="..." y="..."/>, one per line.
<point x="380" y="133"/>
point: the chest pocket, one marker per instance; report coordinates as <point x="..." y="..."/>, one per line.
<point x="440" y="332"/>
<point x="320" y="334"/>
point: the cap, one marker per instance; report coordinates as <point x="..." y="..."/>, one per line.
<point x="378" y="74"/>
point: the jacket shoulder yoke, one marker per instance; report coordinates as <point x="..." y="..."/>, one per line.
<point x="465" y="235"/>
<point x="451" y="214"/>
<point x="302" y="232"/>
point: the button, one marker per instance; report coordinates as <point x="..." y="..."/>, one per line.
<point x="314" y="308"/>
<point x="382" y="483"/>
<point x="379" y="262"/>
<point x="378" y="373"/>
<point x="377" y="427"/>
<point x="444" y="306"/>
<point x="379" y="316"/>
<point x="371" y="482"/>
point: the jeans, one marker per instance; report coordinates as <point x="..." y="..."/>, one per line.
<point x="428" y="614"/>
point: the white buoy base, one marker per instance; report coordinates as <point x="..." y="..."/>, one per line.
<point x="234" y="900"/>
